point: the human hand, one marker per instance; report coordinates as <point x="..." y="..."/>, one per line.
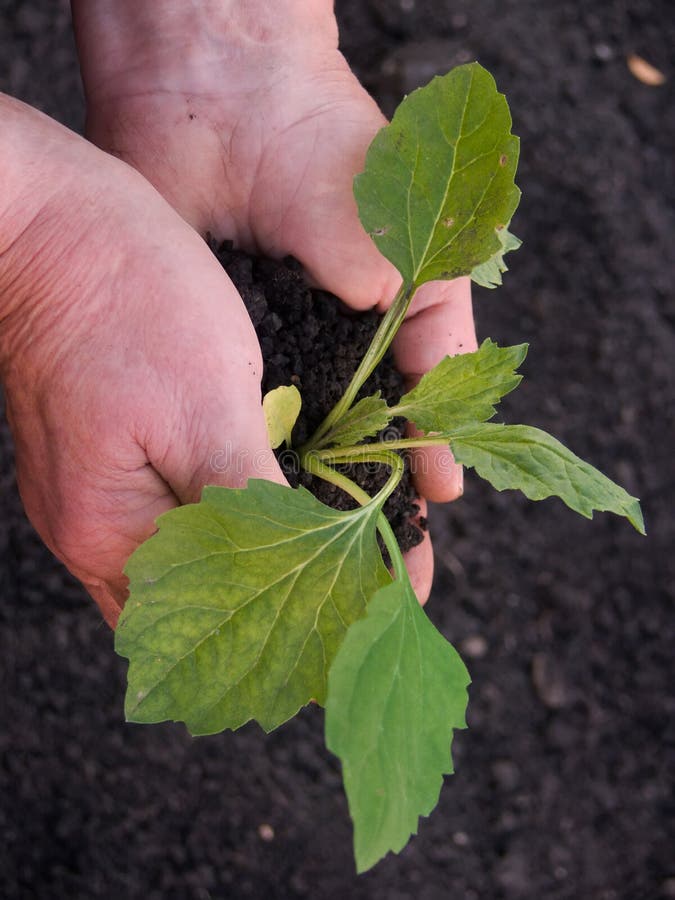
<point x="248" y="120"/>
<point x="127" y="356"/>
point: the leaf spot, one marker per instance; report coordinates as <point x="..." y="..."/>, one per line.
<point x="503" y="159"/>
<point x="378" y="232"/>
<point x="449" y="222"/>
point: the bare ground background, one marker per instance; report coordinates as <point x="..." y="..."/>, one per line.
<point x="564" y="784"/>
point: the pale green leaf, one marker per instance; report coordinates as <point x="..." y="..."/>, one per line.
<point x="396" y="691"/>
<point x="438" y="181"/>
<point x="239" y="603"/>
<point x="489" y="274"/>
<point x="463" y="388"/>
<point x="518" y="456"/>
<point x="364" y="419"/>
<point x="281" y="408"/>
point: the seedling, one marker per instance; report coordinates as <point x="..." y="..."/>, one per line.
<point x="252" y="602"/>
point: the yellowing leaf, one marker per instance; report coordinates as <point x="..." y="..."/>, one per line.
<point x="239" y="603"/>
<point x="489" y="274"/>
<point x="281" y="408"/>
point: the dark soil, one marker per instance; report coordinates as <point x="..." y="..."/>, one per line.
<point x="564" y="780"/>
<point x="308" y="338"/>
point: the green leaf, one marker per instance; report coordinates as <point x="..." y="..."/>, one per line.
<point x="438" y="181"/>
<point x="396" y="690"/>
<point x="239" y="603"/>
<point x="489" y="274"/>
<point x="281" y="408"/>
<point x="463" y="388"/>
<point x="364" y="419"/>
<point x="518" y="456"/>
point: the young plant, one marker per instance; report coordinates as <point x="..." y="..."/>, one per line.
<point x="252" y="602"/>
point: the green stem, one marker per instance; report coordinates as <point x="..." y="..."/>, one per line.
<point x="367" y="452"/>
<point x="321" y="470"/>
<point x="316" y="466"/>
<point x="391" y="322"/>
<point x="392" y="546"/>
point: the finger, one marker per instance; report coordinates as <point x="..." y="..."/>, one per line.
<point x="107" y="601"/>
<point x="440" y="324"/>
<point x="435" y="473"/>
<point x="349" y="264"/>
<point x="419" y="561"/>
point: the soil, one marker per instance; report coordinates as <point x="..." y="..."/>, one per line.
<point x="564" y="780"/>
<point x="308" y="338"/>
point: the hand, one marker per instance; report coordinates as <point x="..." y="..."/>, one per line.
<point x="248" y="120"/>
<point x="127" y="356"/>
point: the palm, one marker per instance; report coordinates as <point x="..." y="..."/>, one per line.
<point x="268" y="161"/>
<point x="269" y="165"/>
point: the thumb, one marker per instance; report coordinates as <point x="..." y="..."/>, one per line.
<point x="220" y="446"/>
<point x="349" y="264"/>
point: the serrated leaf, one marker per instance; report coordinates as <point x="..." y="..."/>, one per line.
<point x="489" y="274"/>
<point x="281" y="408"/>
<point x="396" y="691"/>
<point x="438" y="180"/>
<point x="364" y="419"/>
<point x="239" y="603"/>
<point x="463" y="388"/>
<point x="525" y="458"/>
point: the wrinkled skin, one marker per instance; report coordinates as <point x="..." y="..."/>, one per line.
<point x="112" y="336"/>
<point x="151" y="365"/>
<point x="255" y="132"/>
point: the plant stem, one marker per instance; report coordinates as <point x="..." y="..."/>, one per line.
<point x="392" y="546"/>
<point x="368" y="452"/>
<point x="391" y="322"/>
<point x="316" y="466"/>
<point x="321" y="470"/>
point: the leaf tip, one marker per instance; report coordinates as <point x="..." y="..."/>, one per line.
<point x="635" y="517"/>
<point x="520" y="351"/>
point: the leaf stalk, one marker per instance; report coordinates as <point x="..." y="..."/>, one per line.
<point x="314" y="465"/>
<point x="369" y="452"/>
